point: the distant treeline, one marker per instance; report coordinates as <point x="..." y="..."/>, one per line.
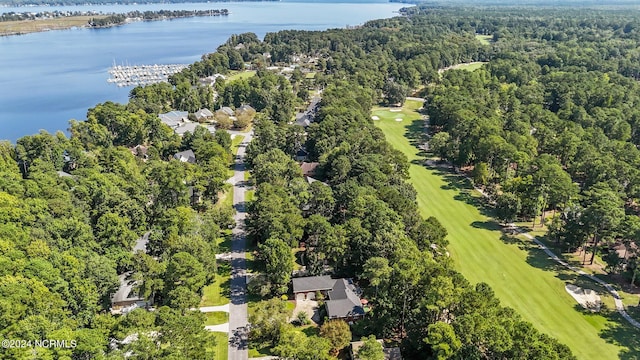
<point x="549" y="3"/>
<point x="102" y="2"/>
<point x="14" y="16"/>
<point x="118" y="19"/>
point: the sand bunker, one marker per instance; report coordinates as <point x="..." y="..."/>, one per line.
<point x="374" y="117"/>
<point x="395" y="110"/>
<point x="398" y="119"/>
<point x="589" y="299"/>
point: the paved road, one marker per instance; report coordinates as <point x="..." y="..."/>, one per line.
<point x="238" y="319"/>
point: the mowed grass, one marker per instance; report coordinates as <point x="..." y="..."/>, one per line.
<point x="240" y="75"/>
<point x="216" y="318"/>
<point x="522" y="276"/>
<point x="222" y="345"/>
<point x="235" y="143"/>
<point x="217" y="293"/>
<point x="484" y="39"/>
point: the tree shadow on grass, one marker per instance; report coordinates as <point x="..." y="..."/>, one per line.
<point x="415" y="132"/>
<point x="621" y="333"/>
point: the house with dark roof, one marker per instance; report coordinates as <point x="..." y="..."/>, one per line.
<point x="341" y="296"/>
<point x="301" y="155"/>
<point x="126" y="299"/>
<point x="186" y="156"/>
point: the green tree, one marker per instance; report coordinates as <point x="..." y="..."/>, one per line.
<point x="279" y="263"/>
<point x="507" y="207"/>
<point x="603" y="214"/>
<point x="338" y="334"/>
<point x="443" y="340"/>
<point x="371" y="349"/>
<point x="267" y="319"/>
<point x="439" y="144"/>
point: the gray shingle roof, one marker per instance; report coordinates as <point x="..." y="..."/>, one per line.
<point x="186" y="156"/>
<point x="342" y="298"/>
<point x="125" y="291"/>
<point x="174" y="118"/>
<point x="312" y="283"/>
<point x="343" y="301"/>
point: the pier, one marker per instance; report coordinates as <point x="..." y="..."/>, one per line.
<point x="142" y="74"/>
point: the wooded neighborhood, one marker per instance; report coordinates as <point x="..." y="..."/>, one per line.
<point x="382" y="193"/>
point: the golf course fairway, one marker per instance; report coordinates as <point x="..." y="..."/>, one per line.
<point x="521" y="275"/>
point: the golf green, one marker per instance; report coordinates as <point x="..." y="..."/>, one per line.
<point x="522" y="276"/>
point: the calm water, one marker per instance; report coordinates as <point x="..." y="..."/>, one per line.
<point x="48" y="78"/>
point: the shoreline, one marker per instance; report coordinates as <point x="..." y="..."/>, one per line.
<point x="24" y="27"/>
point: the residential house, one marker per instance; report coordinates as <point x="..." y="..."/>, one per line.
<point x="203" y="115"/>
<point x="179" y="122"/>
<point x="211" y="80"/>
<point x="64" y="174"/>
<point x="125" y="299"/>
<point x="174" y="119"/>
<point x="185" y="128"/>
<point x="301" y="155"/>
<point x="227" y="111"/>
<point x="341" y="296"/>
<point x="309" y="168"/>
<point x="186" y="156"/>
<point x="390" y="353"/>
<point x="245" y="108"/>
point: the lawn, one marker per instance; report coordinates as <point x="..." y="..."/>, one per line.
<point x="216" y="318"/>
<point x="240" y="75"/>
<point x="469" y="66"/>
<point x="522" y="276"/>
<point x="217" y="293"/>
<point x="235" y="143"/>
<point x="222" y="345"/>
<point x="484" y="39"/>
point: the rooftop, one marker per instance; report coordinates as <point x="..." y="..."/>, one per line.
<point x="186" y="156"/>
<point x="174" y="118"/>
<point x="312" y="283"/>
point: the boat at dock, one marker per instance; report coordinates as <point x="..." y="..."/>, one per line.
<point x="140" y="75"/>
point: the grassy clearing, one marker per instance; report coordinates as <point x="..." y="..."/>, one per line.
<point x="310" y="75"/>
<point x="217" y="293"/>
<point x="522" y="276"/>
<point x="237" y="75"/>
<point x="235" y="143"/>
<point x="469" y="66"/>
<point x="222" y="345"/>
<point x="30" y="26"/>
<point x="216" y="318"/>
<point x="248" y="195"/>
<point x="484" y="39"/>
<point x="225" y="198"/>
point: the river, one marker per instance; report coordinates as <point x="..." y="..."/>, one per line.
<point x="48" y="78"/>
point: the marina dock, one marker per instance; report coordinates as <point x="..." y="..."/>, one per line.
<point x="142" y="74"/>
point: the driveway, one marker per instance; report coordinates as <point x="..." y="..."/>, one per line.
<point x="308" y="306"/>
